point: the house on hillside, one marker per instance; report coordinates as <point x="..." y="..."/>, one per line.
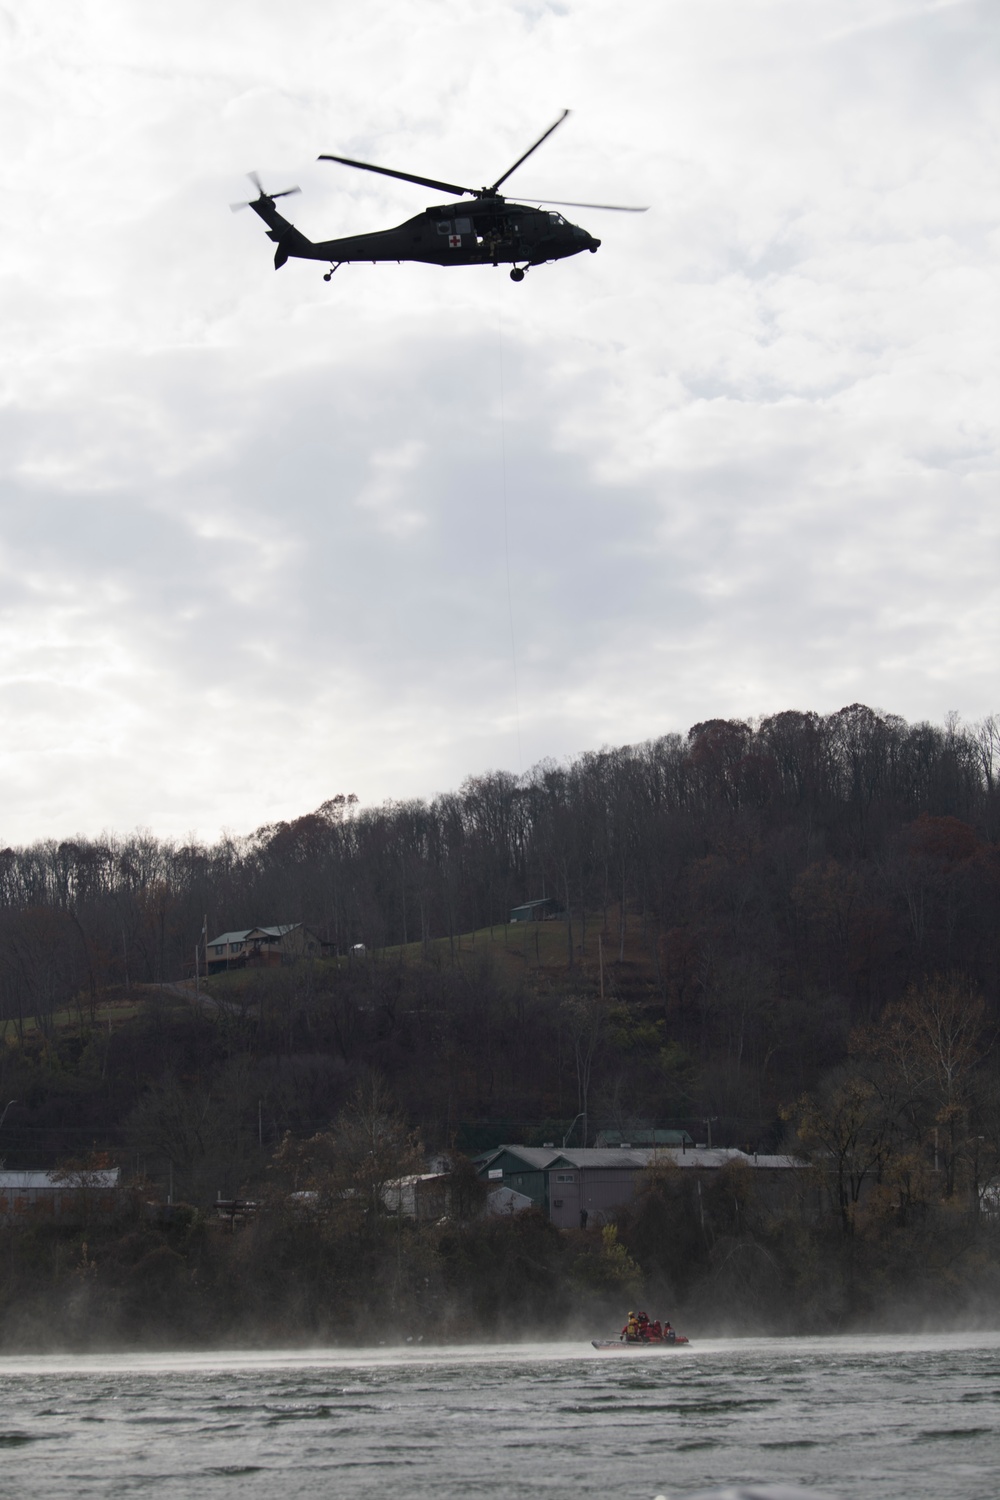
<point x="70" y="1197"/>
<point x="263" y="947"/>
<point x="582" y="1189"/>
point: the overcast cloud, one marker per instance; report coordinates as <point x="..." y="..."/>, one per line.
<point x="252" y="547"/>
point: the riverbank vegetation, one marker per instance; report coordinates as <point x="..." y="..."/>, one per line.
<point x="785" y="934"/>
<point x="324" y="1266"/>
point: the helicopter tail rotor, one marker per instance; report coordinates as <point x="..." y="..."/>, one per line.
<point x="265" y="197"/>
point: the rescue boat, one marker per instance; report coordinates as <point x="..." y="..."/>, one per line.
<point x="647" y="1346"/>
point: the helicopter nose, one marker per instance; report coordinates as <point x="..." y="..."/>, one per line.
<point x="594" y="246"/>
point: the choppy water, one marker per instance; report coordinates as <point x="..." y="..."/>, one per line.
<point x="897" y="1418"/>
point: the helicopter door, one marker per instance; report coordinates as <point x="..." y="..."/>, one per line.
<point x="454" y="230"/>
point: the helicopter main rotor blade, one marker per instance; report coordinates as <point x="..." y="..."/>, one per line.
<point x="530" y="149"/>
<point x="615" y="208"/>
<point x="431" y="182"/>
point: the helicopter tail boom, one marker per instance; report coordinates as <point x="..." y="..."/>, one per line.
<point x="288" y="239"/>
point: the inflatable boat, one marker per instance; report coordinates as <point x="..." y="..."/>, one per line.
<point x="645" y="1346"/>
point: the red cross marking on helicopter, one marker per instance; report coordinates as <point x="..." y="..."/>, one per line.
<point x="455" y="241"/>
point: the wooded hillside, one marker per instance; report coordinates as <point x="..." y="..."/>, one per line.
<point x="760" y="891"/>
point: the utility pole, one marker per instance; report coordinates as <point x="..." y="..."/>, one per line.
<point x="2" y="1118"/>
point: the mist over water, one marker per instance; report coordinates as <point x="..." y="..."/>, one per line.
<point x="890" y="1417"/>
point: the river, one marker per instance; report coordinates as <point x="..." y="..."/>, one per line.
<point x="900" y="1418"/>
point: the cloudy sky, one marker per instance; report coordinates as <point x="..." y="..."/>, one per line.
<point x="252" y="550"/>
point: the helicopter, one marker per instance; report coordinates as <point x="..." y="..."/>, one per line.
<point x="488" y="231"/>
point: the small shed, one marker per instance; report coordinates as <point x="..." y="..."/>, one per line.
<point x="421" y="1195"/>
<point x="545" y="909"/>
<point x="505" y="1201"/>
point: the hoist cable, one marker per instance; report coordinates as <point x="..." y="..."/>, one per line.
<point x="506" y="535"/>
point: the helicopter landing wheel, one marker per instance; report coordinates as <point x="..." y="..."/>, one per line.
<point x="517" y="274"/>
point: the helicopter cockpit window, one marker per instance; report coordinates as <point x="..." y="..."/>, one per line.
<point x="557" y="218"/>
<point x="463" y="226"/>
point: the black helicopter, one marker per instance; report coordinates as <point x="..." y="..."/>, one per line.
<point x="487" y="231"/>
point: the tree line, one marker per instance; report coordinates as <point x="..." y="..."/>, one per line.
<point x="617" y="829"/>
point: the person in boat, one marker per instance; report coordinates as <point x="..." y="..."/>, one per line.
<point x="669" y="1334"/>
<point x="655" y="1334"/>
<point x="630" y="1333"/>
<point x="643" y="1326"/>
